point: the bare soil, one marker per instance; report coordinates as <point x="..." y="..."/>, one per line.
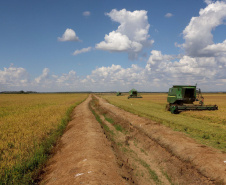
<point x="142" y="152"/>
<point x="84" y="155"/>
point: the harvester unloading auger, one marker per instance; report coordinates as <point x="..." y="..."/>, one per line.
<point x="181" y="98"/>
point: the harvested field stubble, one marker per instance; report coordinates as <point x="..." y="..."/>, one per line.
<point x="26" y="121"/>
<point x="174" y="157"/>
<point x="209" y="127"/>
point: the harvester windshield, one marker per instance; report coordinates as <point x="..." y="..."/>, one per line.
<point x="134" y="93"/>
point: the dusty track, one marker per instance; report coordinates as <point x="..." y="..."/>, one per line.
<point x="184" y="160"/>
<point x="145" y="153"/>
<point x="84" y="155"/>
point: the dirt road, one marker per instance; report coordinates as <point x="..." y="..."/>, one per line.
<point x="84" y="154"/>
<point x="126" y="149"/>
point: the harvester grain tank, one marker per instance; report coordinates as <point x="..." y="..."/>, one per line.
<point x="182" y="97"/>
<point x="134" y="94"/>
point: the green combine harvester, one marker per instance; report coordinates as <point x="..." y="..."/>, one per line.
<point x="134" y="94"/>
<point x="182" y="97"/>
<point x="119" y="94"/>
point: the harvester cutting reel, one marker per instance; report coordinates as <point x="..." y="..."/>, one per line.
<point x="175" y="109"/>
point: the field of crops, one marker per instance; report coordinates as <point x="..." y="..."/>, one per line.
<point x="26" y="120"/>
<point x="208" y="127"/>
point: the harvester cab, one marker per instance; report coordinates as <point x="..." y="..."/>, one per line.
<point x="181" y="98"/>
<point x="133" y="94"/>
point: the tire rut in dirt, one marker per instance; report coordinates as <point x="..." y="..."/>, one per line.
<point x="134" y="168"/>
<point x="126" y="171"/>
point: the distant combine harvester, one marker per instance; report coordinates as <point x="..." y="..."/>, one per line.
<point x="134" y="94"/>
<point x="119" y="93"/>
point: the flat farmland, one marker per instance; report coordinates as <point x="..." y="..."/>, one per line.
<point x="208" y="127"/>
<point x="104" y="144"/>
<point x="99" y="143"/>
<point x="26" y="121"/>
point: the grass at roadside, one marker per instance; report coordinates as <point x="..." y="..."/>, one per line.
<point x="107" y="130"/>
<point x="30" y="125"/>
<point x="209" y="127"/>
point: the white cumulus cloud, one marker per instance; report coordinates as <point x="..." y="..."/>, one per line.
<point x="208" y="1"/>
<point x="86" y="13"/>
<point x="132" y="33"/>
<point x="185" y="70"/>
<point x="115" y="41"/>
<point x="198" y="36"/>
<point x="67" y="78"/>
<point x="13" y="77"/>
<point x="168" y="15"/>
<point x="112" y="77"/>
<point x="43" y="77"/>
<point x="64" y="82"/>
<point x="69" y="35"/>
<point x="84" y="50"/>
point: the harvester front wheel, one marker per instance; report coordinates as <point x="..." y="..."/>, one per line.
<point x="174" y="109"/>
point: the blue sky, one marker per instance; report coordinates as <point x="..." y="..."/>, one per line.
<point x="148" y="45"/>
